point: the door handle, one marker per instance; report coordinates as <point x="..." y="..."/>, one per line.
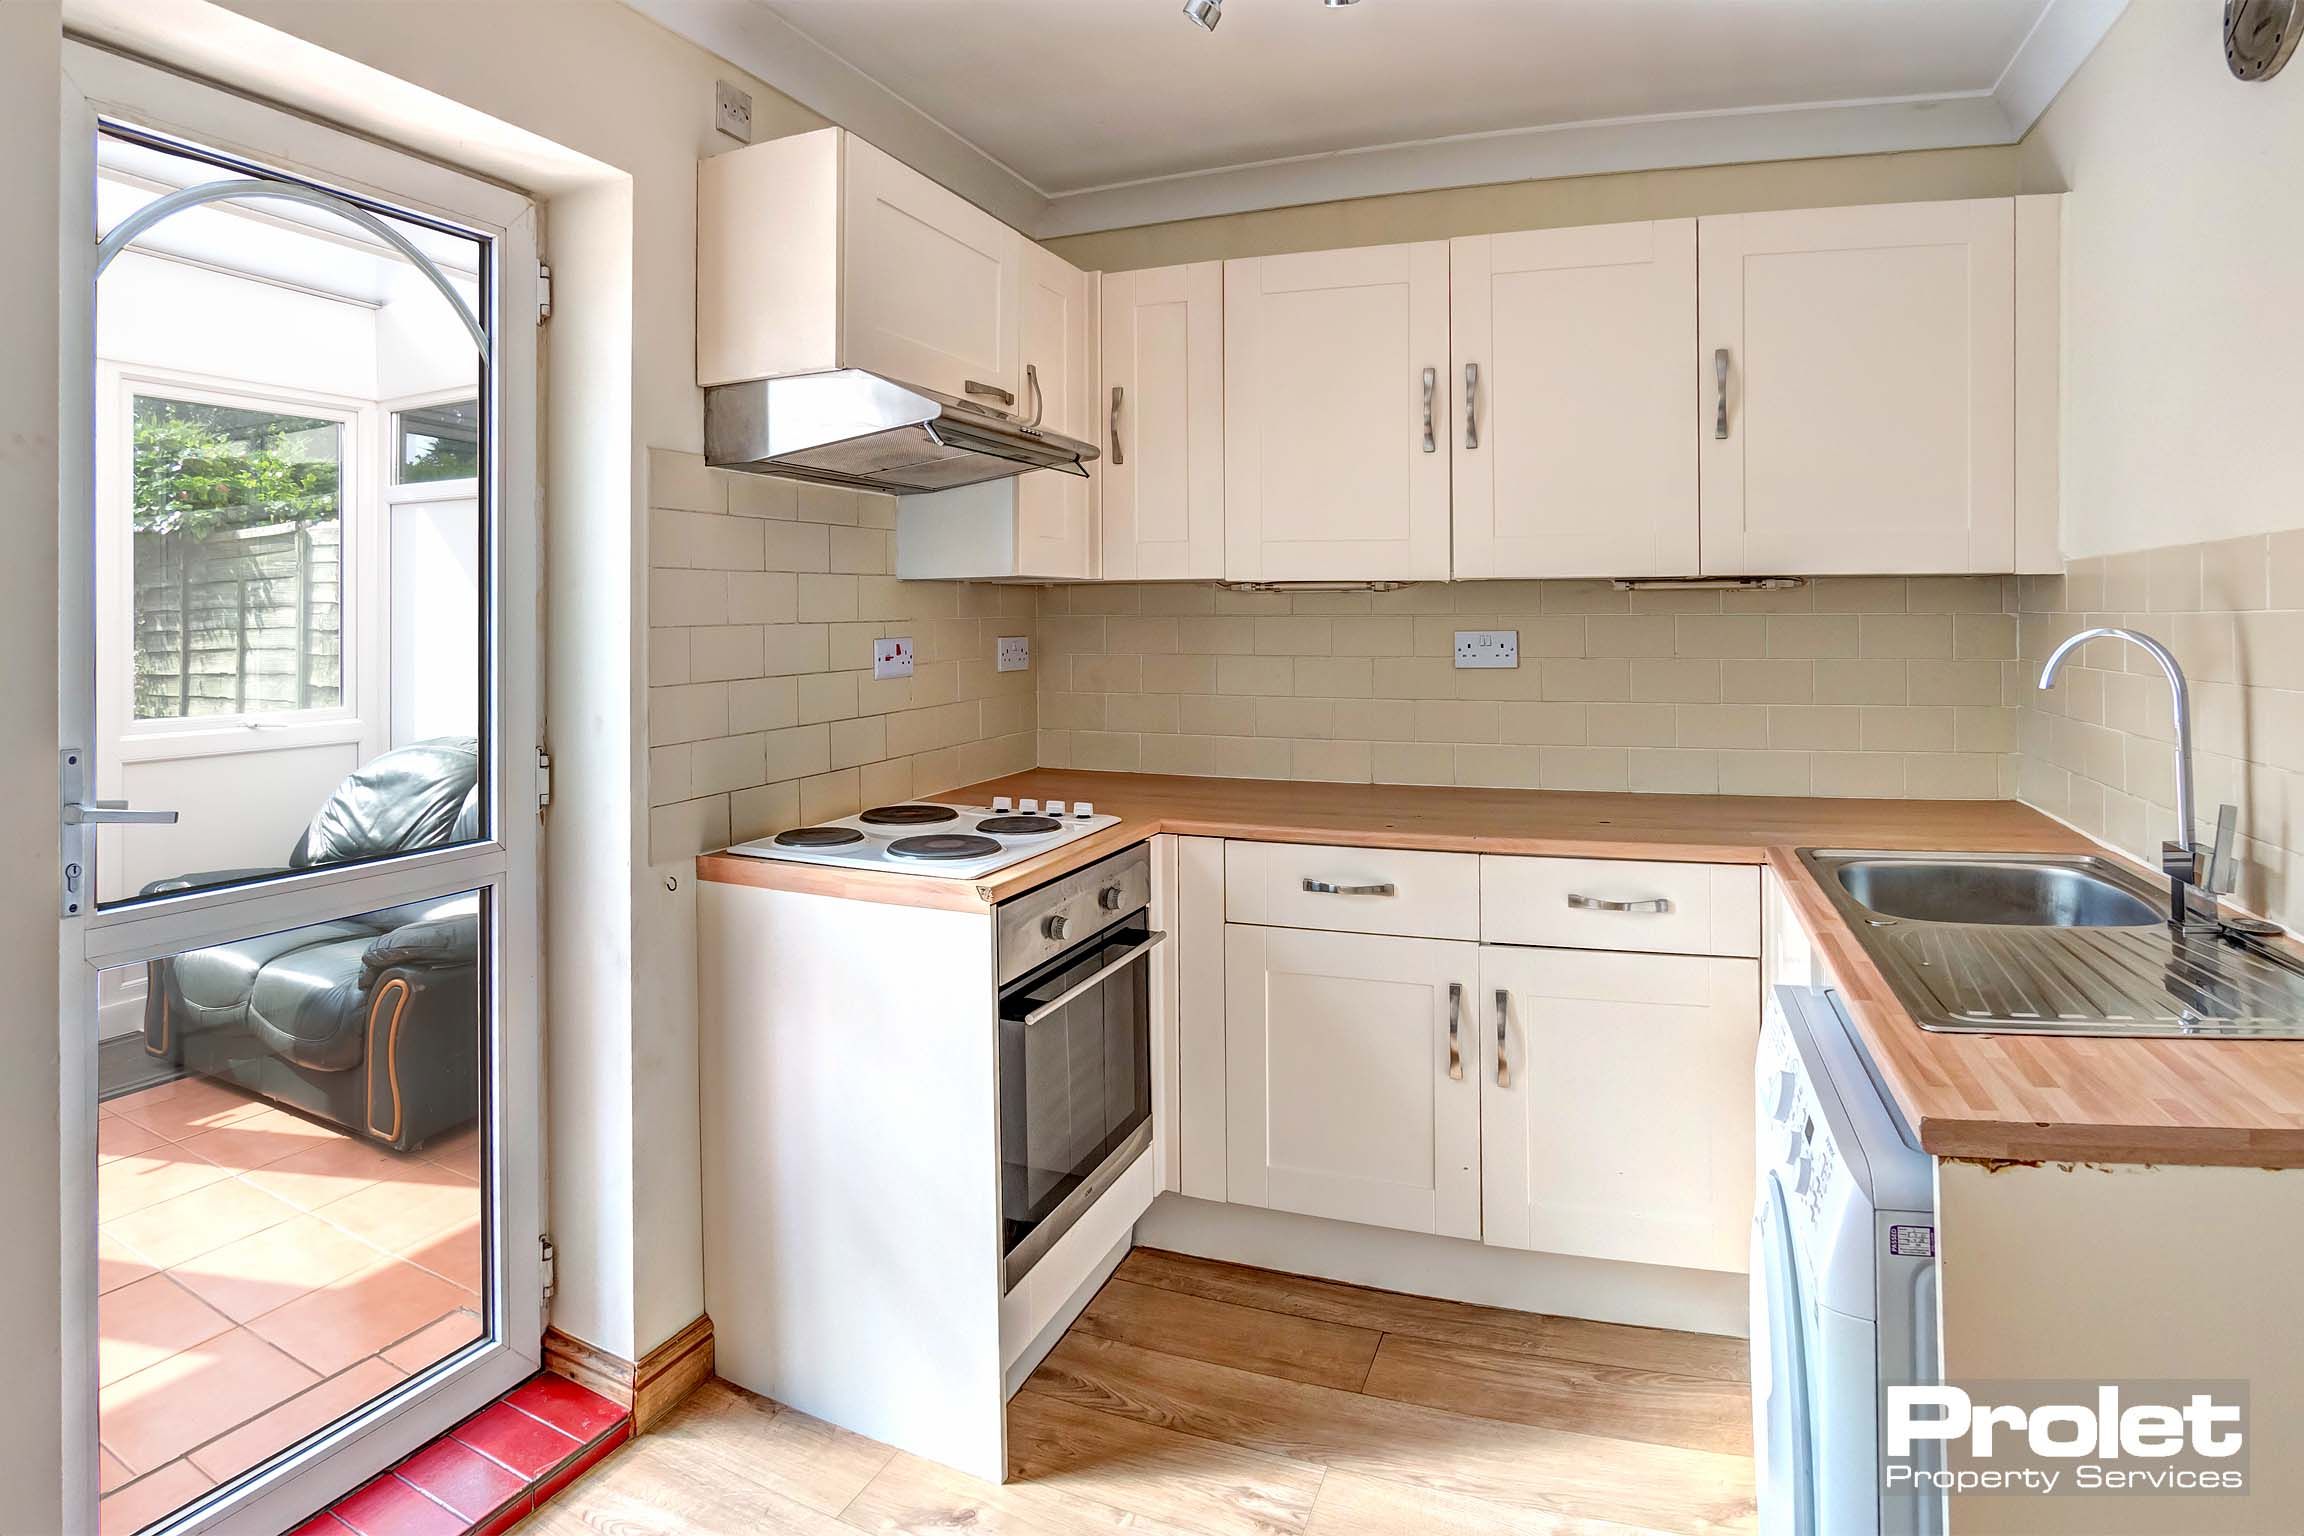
<point x="1431" y="386"/>
<point x="1600" y="904"/>
<point x="1118" y="394"/>
<point x="114" y="813"/>
<point x="1503" y="1063"/>
<point x="989" y="391"/>
<point x="1323" y="888"/>
<point x="1720" y="387"/>
<point x="1455" y="1020"/>
<point x="1039" y="401"/>
<point x="1471" y="405"/>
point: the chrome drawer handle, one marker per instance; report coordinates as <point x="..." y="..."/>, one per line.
<point x="1472" y="405"/>
<point x="1720" y="398"/>
<point x="1323" y="888"/>
<point x="1601" y="904"/>
<point x="1455" y="1018"/>
<point x="991" y="391"/>
<point x="1503" y="1013"/>
<point x="1039" y="400"/>
<point x="1431" y="384"/>
<point x="1119" y="393"/>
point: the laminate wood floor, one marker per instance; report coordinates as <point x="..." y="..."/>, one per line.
<point x="1194" y="1398"/>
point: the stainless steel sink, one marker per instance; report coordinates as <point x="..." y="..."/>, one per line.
<point x="2001" y="892"/>
<point x="2052" y="944"/>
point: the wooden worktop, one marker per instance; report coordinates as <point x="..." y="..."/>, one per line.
<point x="1984" y="1097"/>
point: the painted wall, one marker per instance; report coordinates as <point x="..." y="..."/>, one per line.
<point x="2183" y="346"/>
<point x="1918" y="176"/>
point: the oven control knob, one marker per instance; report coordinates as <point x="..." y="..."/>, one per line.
<point x="1057" y="927"/>
<point x="1109" y="898"/>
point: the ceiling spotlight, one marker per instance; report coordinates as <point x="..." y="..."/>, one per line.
<point x="1338" y="4"/>
<point x="1205" y="13"/>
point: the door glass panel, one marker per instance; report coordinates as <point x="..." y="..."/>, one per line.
<point x="291" y="537"/>
<point x="290" y="1189"/>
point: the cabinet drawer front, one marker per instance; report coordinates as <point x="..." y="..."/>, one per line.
<point x="1710" y="909"/>
<point x="1353" y="890"/>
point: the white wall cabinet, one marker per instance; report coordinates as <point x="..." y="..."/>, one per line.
<point x="1339" y="1092"/>
<point x="1056" y="534"/>
<point x="1336" y="415"/>
<point x="1867" y="418"/>
<point x="1162" y="427"/>
<point x="1568" y="403"/>
<point x="1616" y="1104"/>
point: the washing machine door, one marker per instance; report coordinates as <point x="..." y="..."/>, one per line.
<point x="1783" y="1438"/>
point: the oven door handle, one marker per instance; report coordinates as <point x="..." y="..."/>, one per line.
<point x="1136" y="952"/>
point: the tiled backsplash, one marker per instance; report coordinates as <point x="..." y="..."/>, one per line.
<point x="1863" y="686"/>
<point x="2098" y="748"/>
<point x="764" y="598"/>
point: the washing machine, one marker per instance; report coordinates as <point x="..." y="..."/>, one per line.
<point x="1843" y="1278"/>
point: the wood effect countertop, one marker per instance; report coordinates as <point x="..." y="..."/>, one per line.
<point x="2020" y="1098"/>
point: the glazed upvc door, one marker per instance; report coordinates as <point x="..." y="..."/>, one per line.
<point x="297" y="806"/>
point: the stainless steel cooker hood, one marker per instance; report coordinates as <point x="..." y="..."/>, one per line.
<point x="849" y="427"/>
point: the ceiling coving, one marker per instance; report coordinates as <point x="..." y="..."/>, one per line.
<point x="1068" y="115"/>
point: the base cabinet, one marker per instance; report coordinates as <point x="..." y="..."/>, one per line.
<point x="1351" y="1087"/>
<point x="1616" y="1104"/>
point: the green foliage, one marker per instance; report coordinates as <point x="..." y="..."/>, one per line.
<point x="203" y="469"/>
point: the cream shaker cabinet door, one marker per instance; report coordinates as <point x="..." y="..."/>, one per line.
<point x="1575" y="453"/>
<point x="930" y="283"/>
<point x="1162" y="426"/>
<point x="1055" y="515"/>
<point x="1616" y="1104"/>
<point x="1336" y="415"/>
<point x="1856" y="381"/>
<point x="1352" y="1085"/>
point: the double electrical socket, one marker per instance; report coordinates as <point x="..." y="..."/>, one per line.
<point x="1487" y="648"/>
<point x="1013" y="653"/>
<point x="892" y="657"/>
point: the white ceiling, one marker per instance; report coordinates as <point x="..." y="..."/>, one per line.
<point x="1111" y="112"/>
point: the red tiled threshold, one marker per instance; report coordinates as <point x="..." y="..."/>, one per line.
<point x="488" y="1473"/>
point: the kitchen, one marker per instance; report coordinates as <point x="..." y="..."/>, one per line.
<point x="1553" y="804"/>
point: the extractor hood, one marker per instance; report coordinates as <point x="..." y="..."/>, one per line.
<point x="849" y="427"/>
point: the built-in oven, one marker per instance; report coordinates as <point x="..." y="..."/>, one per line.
<point x="1075" y="1047"/>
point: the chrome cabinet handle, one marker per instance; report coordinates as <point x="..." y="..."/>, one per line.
<point x="1431" y="384"/>
<point x="989" y="391"/>
<point x="1472" y="405"/>
<point x="1136" y="952"/>
<point x="114" y="813"/>
<point x="1600" y="904"/>
<point x="1455" y="1018"/>
<point x="1503" y="1013"/>
<point x="1039" y="401"/>
<point x="1118" y="394"/>
<point x="1720" y="384"/>
<point x="1323" y="888"/>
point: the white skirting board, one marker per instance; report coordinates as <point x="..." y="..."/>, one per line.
<point x="1645" y="1295"/>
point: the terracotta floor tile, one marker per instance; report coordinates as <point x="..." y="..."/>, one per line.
<point x="322" y="1524"/>
<point x="459" y="1151"/>
<point x="361" y="1314"/>
<point x="271" y="1268"/>
<point x="148" y="1498"/>
<point x="323" y="1174"/>
<point x="435" y="1343"/>
<point x="389" y="1507"/>
<point x="168" y="1232"/>
<point x="110" y="1474"/>
<point x="461" y="1478"/>
<point x="128" y="1184"/>
<point x="567" y="1407"/>
<point x="260" y="1140"/>
<point x="142" y="1324"/>
<point x="401" y="1215"/>
<point x="592" y="1456"/>
<point x="116" y="1137"/>
<point x="529" y="1446"/>
<point x="117" y="1264"/>
<point x="307" y="1412"/>
<point x="187" y="1107"/>
<point x="159" y="1413"/>
<point x="457" y="1255"/>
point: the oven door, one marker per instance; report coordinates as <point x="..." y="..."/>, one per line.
<point x="1075" y="1085"/>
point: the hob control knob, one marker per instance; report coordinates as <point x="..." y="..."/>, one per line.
<point x="1028" y="806"/>
<point x="1054" y="808"/>
<point x="1083" y="809"/>
<point x="1057" y="927"/>
<point x="1003" y="804"/>
<point x="1109" y="898"/>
